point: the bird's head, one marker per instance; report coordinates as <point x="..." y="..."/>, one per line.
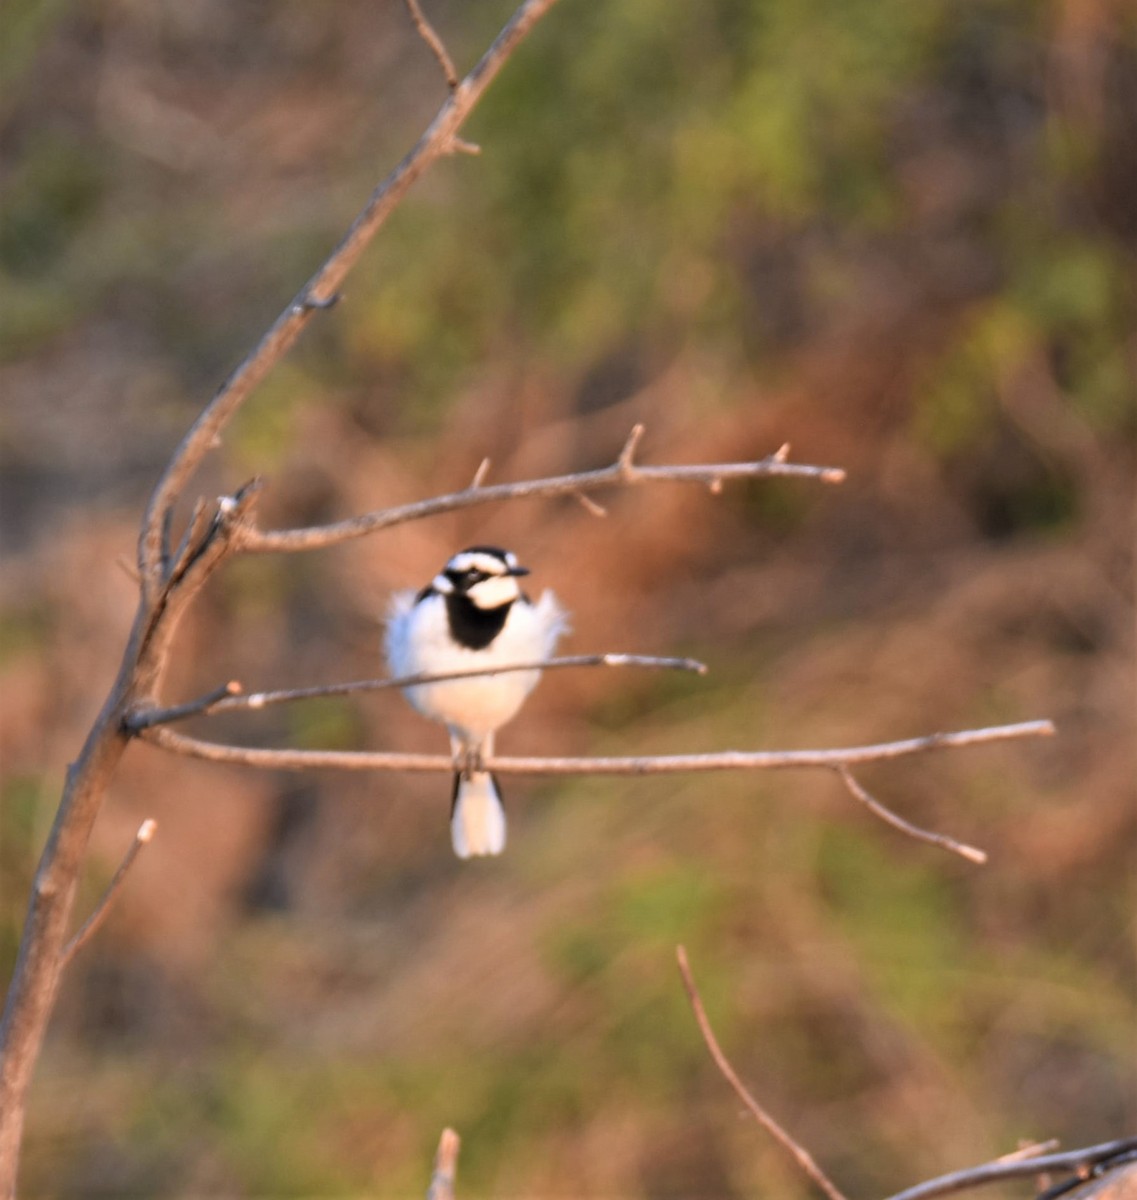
<point x="485" y="575"/>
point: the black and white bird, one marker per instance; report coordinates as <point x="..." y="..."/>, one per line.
<point x="473" y="614"/>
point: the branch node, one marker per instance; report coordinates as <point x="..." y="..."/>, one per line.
<point x="715" y="486"/>
<point x="457" y="145"/>
<point x="833" y="475"/>
<point x="782" y="454"/>
<point x="312" y="303"/>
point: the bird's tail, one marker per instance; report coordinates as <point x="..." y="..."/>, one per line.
<point x="477" y="819"/>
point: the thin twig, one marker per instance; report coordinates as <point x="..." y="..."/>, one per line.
<point x="208" y="703"/>
<point x="1080" y="1162"/>
<point x="480" y="474"/>
<point x="437" y="48"/>
<point x="87" y="930"/>
<point x="621" y="472"/>
<point x="445" y="1167"/>
<point x="729" y="760"/>
<point x="436" y="142"/>
<point x="230" y="697"/>
<point x="1033" y="1150"/>
<point x="971" y="853"/>
<point x="799" y="1153"/>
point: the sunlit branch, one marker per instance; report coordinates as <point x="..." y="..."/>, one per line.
<point x="229" y="697"/>
<point x="662" y="764"/>
<point x="622" y="472"/>
<point x="1082" y="1164"/>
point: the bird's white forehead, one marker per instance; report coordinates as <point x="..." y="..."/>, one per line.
<point x="478" y="560"/>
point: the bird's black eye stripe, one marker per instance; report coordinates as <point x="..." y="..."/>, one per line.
<point x="466" y="578"/>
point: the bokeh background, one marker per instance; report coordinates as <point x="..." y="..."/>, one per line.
<point x="900" y="236"/>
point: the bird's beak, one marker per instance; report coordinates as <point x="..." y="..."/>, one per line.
<point x="518" y="571"/>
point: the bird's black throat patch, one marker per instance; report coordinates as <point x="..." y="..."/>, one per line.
<point x="474" y="627"/>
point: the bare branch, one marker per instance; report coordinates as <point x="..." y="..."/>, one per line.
<point x="144" y="718"/>
<point x="590" y="506"/>
<point x="169" y="583"/>
<point x="445" y="1167"/>
<point x="142" y="838"/>
<point x="627" y="454"/>
<point x="481" y="473"/>
<point x="1081" y="1163"/>
<point x="971" y="853"/>
<point x="434" y="143"/>
<point x="664" y="764"/>
<point x="801" y="1156"/>
<point x="621" y="472"/>
<point x="437" y="48"/>
<point x="229" y="697"/>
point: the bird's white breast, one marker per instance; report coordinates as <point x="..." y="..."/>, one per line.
<point x="419" y="642"/>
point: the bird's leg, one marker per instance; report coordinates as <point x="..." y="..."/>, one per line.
<point x="467" y="755"/>
<point x="484" y="750"/>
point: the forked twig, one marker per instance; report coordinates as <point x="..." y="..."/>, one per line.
<point x="799" y="1153"/>
<point x="437" y="141"/>
<point x="622" y="472"/>
<point x="87" y="930"/>
<point x="971" y="853"/>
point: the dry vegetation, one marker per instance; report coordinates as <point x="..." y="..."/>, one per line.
<point x="300" y="986"/>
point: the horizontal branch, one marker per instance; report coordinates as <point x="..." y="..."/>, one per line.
<point x="1078" y="1162"/>
<point x="728" y="760"/>
<point x="228" y="696"/>
<point x="622" y="472"/>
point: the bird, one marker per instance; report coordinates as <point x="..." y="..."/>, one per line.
<point x="473" y="614"/>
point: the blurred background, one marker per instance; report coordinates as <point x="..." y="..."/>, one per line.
<point x="899" y="236"/>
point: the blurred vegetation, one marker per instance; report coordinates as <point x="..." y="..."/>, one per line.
<point x="902" y="236"/>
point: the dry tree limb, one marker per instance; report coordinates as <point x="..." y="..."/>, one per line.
<point x="730" y="760"/>
<point x="1081" y="1164"/>
<point x="170" y="579"/>
<point x="622" y="472"/>
<point x="445" y="1167"/>
<point x="319" y="291"/>
<point x="230" y="697"/>
<point x="799" y="1153"/>
<point x="658" y="764"/>
<point x="87" y="930"/>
